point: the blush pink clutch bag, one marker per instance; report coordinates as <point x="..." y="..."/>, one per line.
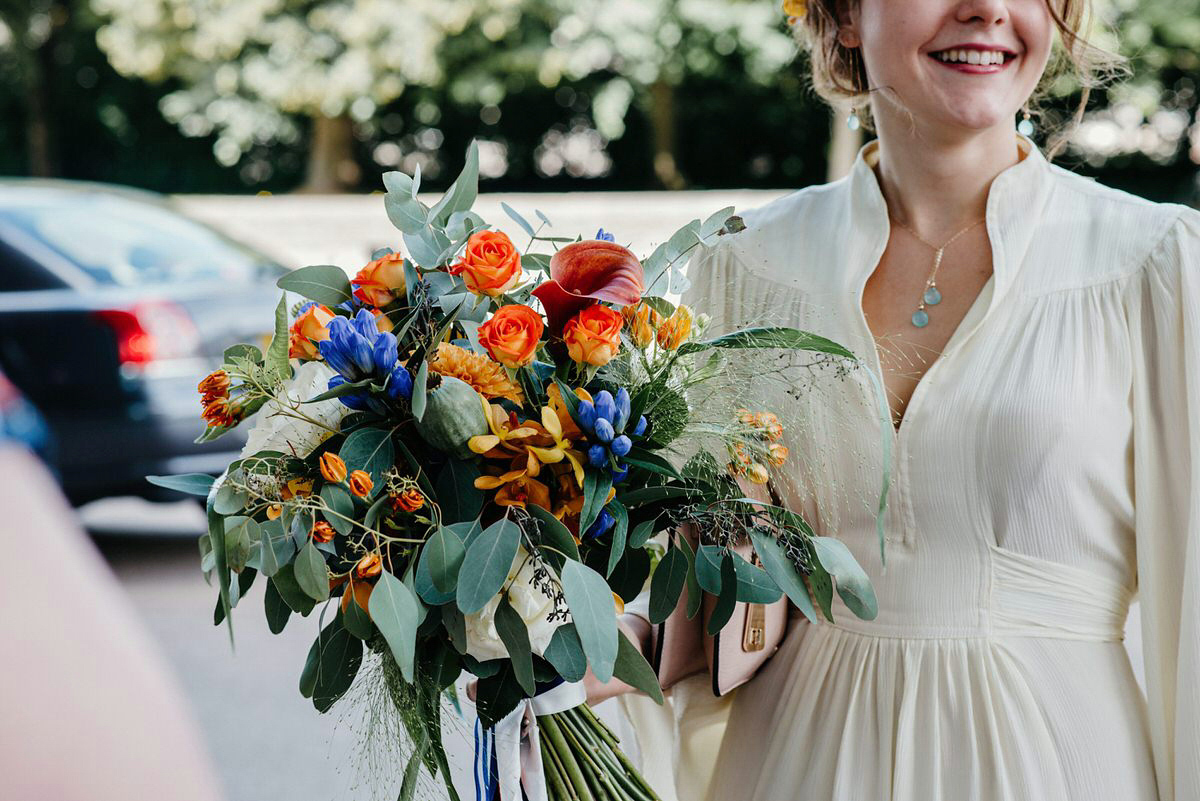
<point x="681" y="647"/>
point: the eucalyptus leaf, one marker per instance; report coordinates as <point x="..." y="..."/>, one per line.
<point x="444" y="552"/>
<point x="776" y="562"/>
<point x="565" y="653"/>
<point x="289" y="590"/>
<point x="312" y="574"/>
<point x="769" y="337"/>
<point x="357" y="621"/>
<point x="633" y="669"/>
<point x="240" y="532"/>
<point x="420" y="391"/>
<point x="851" y="580"/>
<point x="666" y="585"/>
<point x="396" y="611"/>
<point x="727" y="600"/>
<point x="324" y="283"/>
<point x="277" y="610"/>
<point x="511" y="629"/>
<point x="596" y="486"/>
<point x="190" y="483"/>
<point x="620" y="531"/>
<point x="276" y="359"/>
<point x="594" y="614"/>
<point x="341" y="508"/>
<point x="641" y="533"/>
<point x="486" y="565"/>
<point x="517" y="218"/>
<point x="555" y="534"/>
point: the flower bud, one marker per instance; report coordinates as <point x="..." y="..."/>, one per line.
<point x="623" y="409"/>
<point x="597" y="456"/>
<point x="604" y="430"/>
<point x="408" y="501"/>
<point x="621" y="445"/>
<point x="587" y="414"/>
<point x="333" y="468"/>
<point x="778" y="454"/>
<point x="322" y="532"/>
<point x="360" y="483"/>
<point x="757" y="473"/>
<point x="606" y="407"/>
<point x="274" y="511"/>
<point x="369" y="566"/>
<point x="640" y="429"/>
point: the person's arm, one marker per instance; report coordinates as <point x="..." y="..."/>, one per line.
<point x="90" y="709"/>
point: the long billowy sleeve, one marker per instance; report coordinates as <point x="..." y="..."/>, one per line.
<point x="1164" y="312"/>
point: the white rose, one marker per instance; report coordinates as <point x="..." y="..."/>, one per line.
<point x="279" y="431"/>
<point x="533" y="605"/>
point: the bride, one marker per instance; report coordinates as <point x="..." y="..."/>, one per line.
<point x="1043" y="369"/>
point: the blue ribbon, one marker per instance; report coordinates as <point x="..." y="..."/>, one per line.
<point x="487" y="773"/>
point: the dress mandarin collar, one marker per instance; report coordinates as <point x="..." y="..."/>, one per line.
<point x="1015" y="200"/>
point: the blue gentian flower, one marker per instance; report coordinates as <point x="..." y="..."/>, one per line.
<point x="605" y="421"/>
<point x="400" y="383"/>
<point x="597" y="456"/>
<point x="605" y="236"/>
<point x="357" y="349"/>
<point x="603" y="522"/>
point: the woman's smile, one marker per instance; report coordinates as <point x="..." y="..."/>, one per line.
<point x="975" y="59"/>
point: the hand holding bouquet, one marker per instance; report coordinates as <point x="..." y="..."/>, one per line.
<point x="460" y="456"/>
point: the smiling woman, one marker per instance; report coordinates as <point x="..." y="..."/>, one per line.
<point x="839" y="72"/>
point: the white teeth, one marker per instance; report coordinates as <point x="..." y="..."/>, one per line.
<point x="982" y="57"/>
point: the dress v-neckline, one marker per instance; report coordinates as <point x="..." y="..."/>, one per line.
<point x="982" y="299"/>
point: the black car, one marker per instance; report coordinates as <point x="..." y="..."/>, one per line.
<point x="112" y="307"/>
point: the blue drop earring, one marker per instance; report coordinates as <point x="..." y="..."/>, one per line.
<point x="1025" y="126"/>
<point x="852" y="121"/>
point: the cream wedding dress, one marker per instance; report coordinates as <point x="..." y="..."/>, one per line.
<point x="1046" y="471"/>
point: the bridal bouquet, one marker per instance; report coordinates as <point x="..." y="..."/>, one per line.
<point x="460" y="456"/>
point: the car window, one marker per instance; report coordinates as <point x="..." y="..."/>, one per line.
<point x="19" y="273"/>
<point x="123" y="242"/>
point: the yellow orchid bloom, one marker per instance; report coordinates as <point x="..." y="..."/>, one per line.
<point x="503" y="430"/>
<point x="562" y="447"/>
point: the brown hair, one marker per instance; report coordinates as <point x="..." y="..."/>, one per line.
<point x="840" y="77"/>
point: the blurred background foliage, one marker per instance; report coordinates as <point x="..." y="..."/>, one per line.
<point x="324" y="95"/>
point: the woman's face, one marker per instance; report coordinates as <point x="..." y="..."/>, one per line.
<point x="969" y="64"/>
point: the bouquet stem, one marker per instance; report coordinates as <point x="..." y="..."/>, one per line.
<point x="582" y="760"/>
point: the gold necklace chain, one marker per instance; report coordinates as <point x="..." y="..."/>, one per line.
<point x="931" y="295"/>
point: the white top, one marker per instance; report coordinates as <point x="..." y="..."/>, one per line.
<point x="1047" y="467"/>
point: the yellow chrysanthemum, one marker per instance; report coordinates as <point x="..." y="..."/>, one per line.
<point x="484" y="375"/>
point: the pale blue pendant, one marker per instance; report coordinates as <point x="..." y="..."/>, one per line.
<point x="932" y="296"/>
<point x="1025" y="127"/>
<point x="920" y="318"/>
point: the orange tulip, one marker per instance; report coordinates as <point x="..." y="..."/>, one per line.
<point x="322" y="531"/>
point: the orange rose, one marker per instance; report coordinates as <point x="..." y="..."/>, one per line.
<point x="381" y="281"/>
<point x="309" y="329"/>
<point x="778" y="454"/>
<point x="490" y="265"/>
<point x="360" y="483"/>
<point x="594" y="335"/>
<point x="512" y="335"/>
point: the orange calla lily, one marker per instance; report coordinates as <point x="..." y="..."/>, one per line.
<point x="586" y="272"/>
